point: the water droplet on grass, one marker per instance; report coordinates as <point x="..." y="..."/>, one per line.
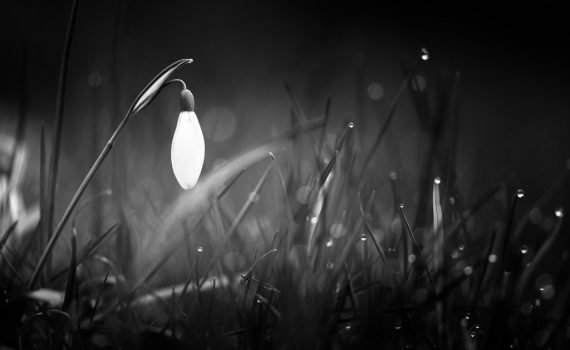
<point x="493" y="258"/>
<point x="363" y="237"/>
<point x="437" y="180"/>
<point x="329" y="243"/>
<point x="200" y="249"/>
<point x="461" y="247"/>
<point x="425" y="54"/>
<point x="559" y="212"/>
<point x="524" y="249"/>
<point x="520" y="193"/>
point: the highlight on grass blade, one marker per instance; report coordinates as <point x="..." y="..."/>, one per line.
<point x="152" y="89"/>
<point x="188" y="149"/>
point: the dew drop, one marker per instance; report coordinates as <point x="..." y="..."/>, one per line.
<point x="473" y="334"/>
<point x="253" y="197"/>
<point x="363" y="237"/>
<point x="425" y="54"/>
<point x="520" y="193"/>
<point x="412" y="258"/>
<point x="559" y="212"/>
<point x="437" y="181"/>
<point x="350" y="125"/>
<point x="468" y="270"/>
<point x="393" y="175"/>
<point x="330" y="265"/>
<point x="402" y="205"/>
<point x="454" y="254"/>
<point x="467" y="316"/>
<point x="524" y="249"/>
<point x="461" y="247"/>
<point x="329" y="243"/>
<point x="314" y="220"/>
<point x="200" y="249"/>
<point x="398" y="325"/>
<point x="493" y="258"/>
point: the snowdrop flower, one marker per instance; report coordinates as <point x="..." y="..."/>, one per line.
<point x="187" y="153"/>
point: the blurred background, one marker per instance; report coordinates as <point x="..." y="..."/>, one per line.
<point x="513" y="106"/>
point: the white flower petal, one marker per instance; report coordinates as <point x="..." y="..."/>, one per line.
<point x="187" y="153"/>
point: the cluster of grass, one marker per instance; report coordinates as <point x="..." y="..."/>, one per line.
<point x="331" y="268"/>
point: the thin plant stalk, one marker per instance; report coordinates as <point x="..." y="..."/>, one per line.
<point x="144" y="97"/>
<point x="416" y="245"/>
<point x="59" y="111"/>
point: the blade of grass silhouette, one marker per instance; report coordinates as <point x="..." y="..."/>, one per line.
<point x="350" y="287"/>
<point x="389" y="116"/>
<point x="338" y="149"/>
<point x="321" y="144"/>
<point x="249" y="202"/>
<point x="506" y="236"/>
<point x="321" y="190"/>
<point x="416" y="245"/>
<point x="71" y="279"/>
<point x="249" y="273"/>
<point x="139" y="103"/>
<point x="401" y="237"/>
<point x="438" y="242"/>
<point x="539" y="256"/>
<point x="438" y="260"/>
<point x="477" y="293"/>
<point x="59" y="113"/>
<point x="11" y="229"/>
<point x="43" y="198"/>
<point x="296" y="107"/>
<point x="98" y="300"/>
<point x="11" y="267"/>
<point x="283" y="188"/>
<point x="364" y="214"/>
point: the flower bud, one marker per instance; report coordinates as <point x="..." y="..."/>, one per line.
<point x="187" y="153"/>
<point x="186" y="101"/>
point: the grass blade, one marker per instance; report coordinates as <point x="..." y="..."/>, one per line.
<point x="60" y="108"/>
<point x="70" y="287"/>
<point x="416" y="245"/>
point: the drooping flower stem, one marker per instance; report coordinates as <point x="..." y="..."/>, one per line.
<point x="144" y="97"/>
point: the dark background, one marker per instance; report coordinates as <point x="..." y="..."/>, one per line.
<point x="513" y="61"/>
